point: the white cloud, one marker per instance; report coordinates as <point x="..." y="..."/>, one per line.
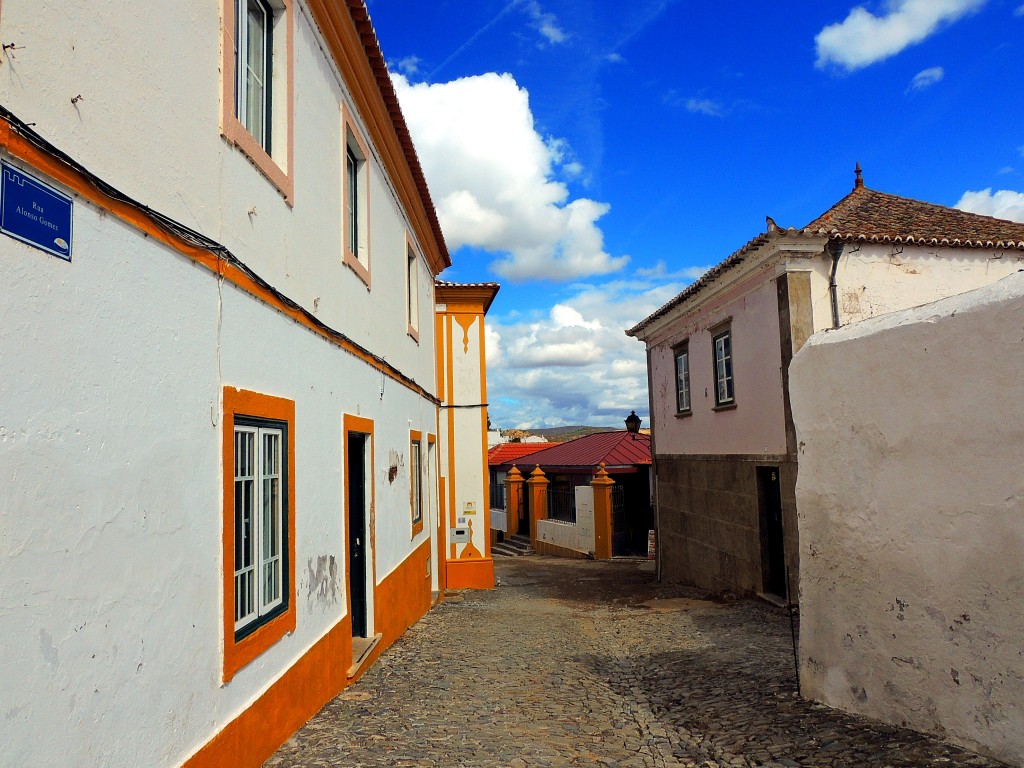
<point x="545" y="23"/>
<point x="1004" y="204"/>
<point x="1020" y="150"/>
<point x="659" y="270"/>
<point x="1019" y="11"/>
<point x="704" y="107"/>
<point x="494" y="180"/>
<point x="614" y="58"/>
<point x="863" y="38"/>
<point x="575" y="364"/>
<point x="926" y="78"/>
<point x="408" y="65"/>
<point x="1005" y="170"/>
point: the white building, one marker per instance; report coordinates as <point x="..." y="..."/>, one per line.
<point x="912" y="518"/>
<point x="219" y="418"/>
<point x="725" y="448"/>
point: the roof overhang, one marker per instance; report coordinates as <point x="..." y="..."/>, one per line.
<point x="350" y="38"/>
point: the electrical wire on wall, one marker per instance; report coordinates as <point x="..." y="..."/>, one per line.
<point x="201" y="241"/>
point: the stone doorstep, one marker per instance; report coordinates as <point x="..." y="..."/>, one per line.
<point x="361" y="647"/>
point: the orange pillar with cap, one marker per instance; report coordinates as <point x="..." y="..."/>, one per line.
<point x="602" y="485"/>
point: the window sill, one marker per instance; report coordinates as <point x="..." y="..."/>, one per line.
<point x="413" y="334"/>
<point x="684" y="414"/>
<point x="358" y="267"/>
<point x="724" y="407"/>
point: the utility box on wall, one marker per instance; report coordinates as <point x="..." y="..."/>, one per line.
<point x="459" y="536"/>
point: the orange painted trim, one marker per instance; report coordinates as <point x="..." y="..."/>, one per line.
<point x="60" y="172"/>
<point x="441" y="351"/>
<point x="241" y="402"/>
<point x="415" y="436"/>
<point x="403" y="596"/>
<point x="361" y="426"/>
<point x="248" y="741"/>
<point x="471" y="574"/>
<point x="233" y="130"/>
<point x="349" y="130"/>
<point x="316" y="677"/>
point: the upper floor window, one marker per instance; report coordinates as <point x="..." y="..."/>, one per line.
<point x="254" y="59"/>
<point x="256" y="115"/>
<point x="355" y="202"/>
<point x="724" y="392"/>
<point x="412" y="281"/>
<point x="682" y="355"/>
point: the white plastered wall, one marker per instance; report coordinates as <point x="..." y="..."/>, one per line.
<point x="148" y="123"/>
<point x="110" y="422"/>
<point x="911" y="508"/>
<point x="110" y="446"/>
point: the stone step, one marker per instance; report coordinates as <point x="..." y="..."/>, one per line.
<point x="514" y="546"/>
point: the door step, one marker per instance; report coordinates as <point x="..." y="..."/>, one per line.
<point x="361" y="648"/>
<point x="514" y="546"/>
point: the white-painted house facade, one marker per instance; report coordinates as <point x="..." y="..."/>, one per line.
<point x="219" y="415"/>
<point x="912" y="518"/>
<point x="725" y="448"/>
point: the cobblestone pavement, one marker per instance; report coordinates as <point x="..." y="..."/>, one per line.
<point x="581" y="663"/>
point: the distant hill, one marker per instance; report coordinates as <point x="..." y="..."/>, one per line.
<point x="564" y="434"/>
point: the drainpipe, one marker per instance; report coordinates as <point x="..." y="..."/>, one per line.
<point x="835" y="250"/>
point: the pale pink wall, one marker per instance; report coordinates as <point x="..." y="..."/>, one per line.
<point x="757" y="424"/>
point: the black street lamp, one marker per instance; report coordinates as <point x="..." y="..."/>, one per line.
<point x="633" y="424"/>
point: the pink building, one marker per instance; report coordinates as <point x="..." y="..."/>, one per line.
<point x="725" y="448"/>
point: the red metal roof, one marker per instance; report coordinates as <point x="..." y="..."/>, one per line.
<point x="615" y="449"/>
<point x="504" y="453"/>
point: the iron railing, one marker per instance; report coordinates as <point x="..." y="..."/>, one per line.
<point x="562" y="504"/>
<point x="497" y="495"/>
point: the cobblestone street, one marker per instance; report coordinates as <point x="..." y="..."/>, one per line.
<point x="581" y="663"/>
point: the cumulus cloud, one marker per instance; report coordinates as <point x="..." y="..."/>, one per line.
<point x="926" y="78"/>
<point x="659" y="270"/>
<point x="574" y="364"/>
<point x="1003" y="204"/>
<point x="494" y="179"/>
<point x="863" y="39"/>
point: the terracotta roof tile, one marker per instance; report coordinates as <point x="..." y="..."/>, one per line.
<point x="615" y="449"/>
<point x="866" y="215"/>
<point x="506" y="452"/>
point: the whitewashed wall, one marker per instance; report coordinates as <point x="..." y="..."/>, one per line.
<point x="149" y="120"/>
<point x="110" y="452"/>
<point x="110" y="422"/>
<point x="911" y="507"/>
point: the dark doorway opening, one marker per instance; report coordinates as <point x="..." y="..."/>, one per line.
<point x="773" y="552"/>
<point x="356" y="470"/>
<point x="524" y="511"/>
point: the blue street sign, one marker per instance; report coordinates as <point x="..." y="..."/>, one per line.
<point x="35" y="213"/>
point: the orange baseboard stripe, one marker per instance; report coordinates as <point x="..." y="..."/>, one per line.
<point x="471" y="574"/>
<point x="252" y="737"/>
<point x="320" y="675"/>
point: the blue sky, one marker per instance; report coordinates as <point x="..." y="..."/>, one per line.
<point x="595" y="157"/>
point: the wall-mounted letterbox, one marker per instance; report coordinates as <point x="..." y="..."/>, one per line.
<point x="459" y="535"/>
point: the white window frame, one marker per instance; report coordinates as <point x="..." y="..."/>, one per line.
<point x="356" y="202"/>
<point x="260" y="578"/>
<point x="682" y="354"/>
<point x="412" y="284"/>
<point x="725" y="385"/>
<point x="244" y="46"/>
